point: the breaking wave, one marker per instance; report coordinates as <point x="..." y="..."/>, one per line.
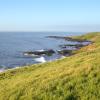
<point x="40" y="59"/>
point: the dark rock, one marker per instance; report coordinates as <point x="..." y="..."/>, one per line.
<point x="68" y="38"/>
<point x="77" y="46"/>
<point x="65" y="52"/>
<point x="40" y="52"/>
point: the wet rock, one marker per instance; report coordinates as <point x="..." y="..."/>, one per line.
<point x="65" y="52"/>
<point x="39" y="52"/>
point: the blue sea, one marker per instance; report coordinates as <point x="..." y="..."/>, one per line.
<point x="13" y="44"/>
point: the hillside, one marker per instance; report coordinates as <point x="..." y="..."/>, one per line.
<point x="73" y="78"/>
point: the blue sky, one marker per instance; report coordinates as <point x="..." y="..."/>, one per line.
<point x="50" y="15"/>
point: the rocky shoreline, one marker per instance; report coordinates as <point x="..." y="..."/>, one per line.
<point x="64" y="49"/>
<point x="68" y="38"/>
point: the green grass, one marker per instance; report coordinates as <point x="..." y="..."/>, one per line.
<point x="73" y="78"/>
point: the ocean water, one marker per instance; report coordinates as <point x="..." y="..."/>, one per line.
<point x="13" y="44"/>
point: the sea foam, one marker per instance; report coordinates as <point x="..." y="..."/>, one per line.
<point x="40" y="59"/>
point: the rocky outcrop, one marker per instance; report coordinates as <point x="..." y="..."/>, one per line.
<point x="65" y="49"/>
<point x="40" y="52"/>
<point x="68" y="38"/>
<point x="77" y="46"/>
<point x="65" y="52"/>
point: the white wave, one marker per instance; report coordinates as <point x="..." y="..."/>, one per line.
<point x="33" y="55"/>
<point x="41" y="50"/>
<point x="41" y="59"/>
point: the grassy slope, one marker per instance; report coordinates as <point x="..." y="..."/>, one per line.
<point x="73" y="78"/>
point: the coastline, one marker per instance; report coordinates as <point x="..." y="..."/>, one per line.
<point x="63" y="56"/>
<point x="19" y="67"/>
<point x="68" y="75"/>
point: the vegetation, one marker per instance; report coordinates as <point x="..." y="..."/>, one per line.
<point x="72" y="78"/>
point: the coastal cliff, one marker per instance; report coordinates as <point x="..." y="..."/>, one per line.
<point x="76" y="77"/>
